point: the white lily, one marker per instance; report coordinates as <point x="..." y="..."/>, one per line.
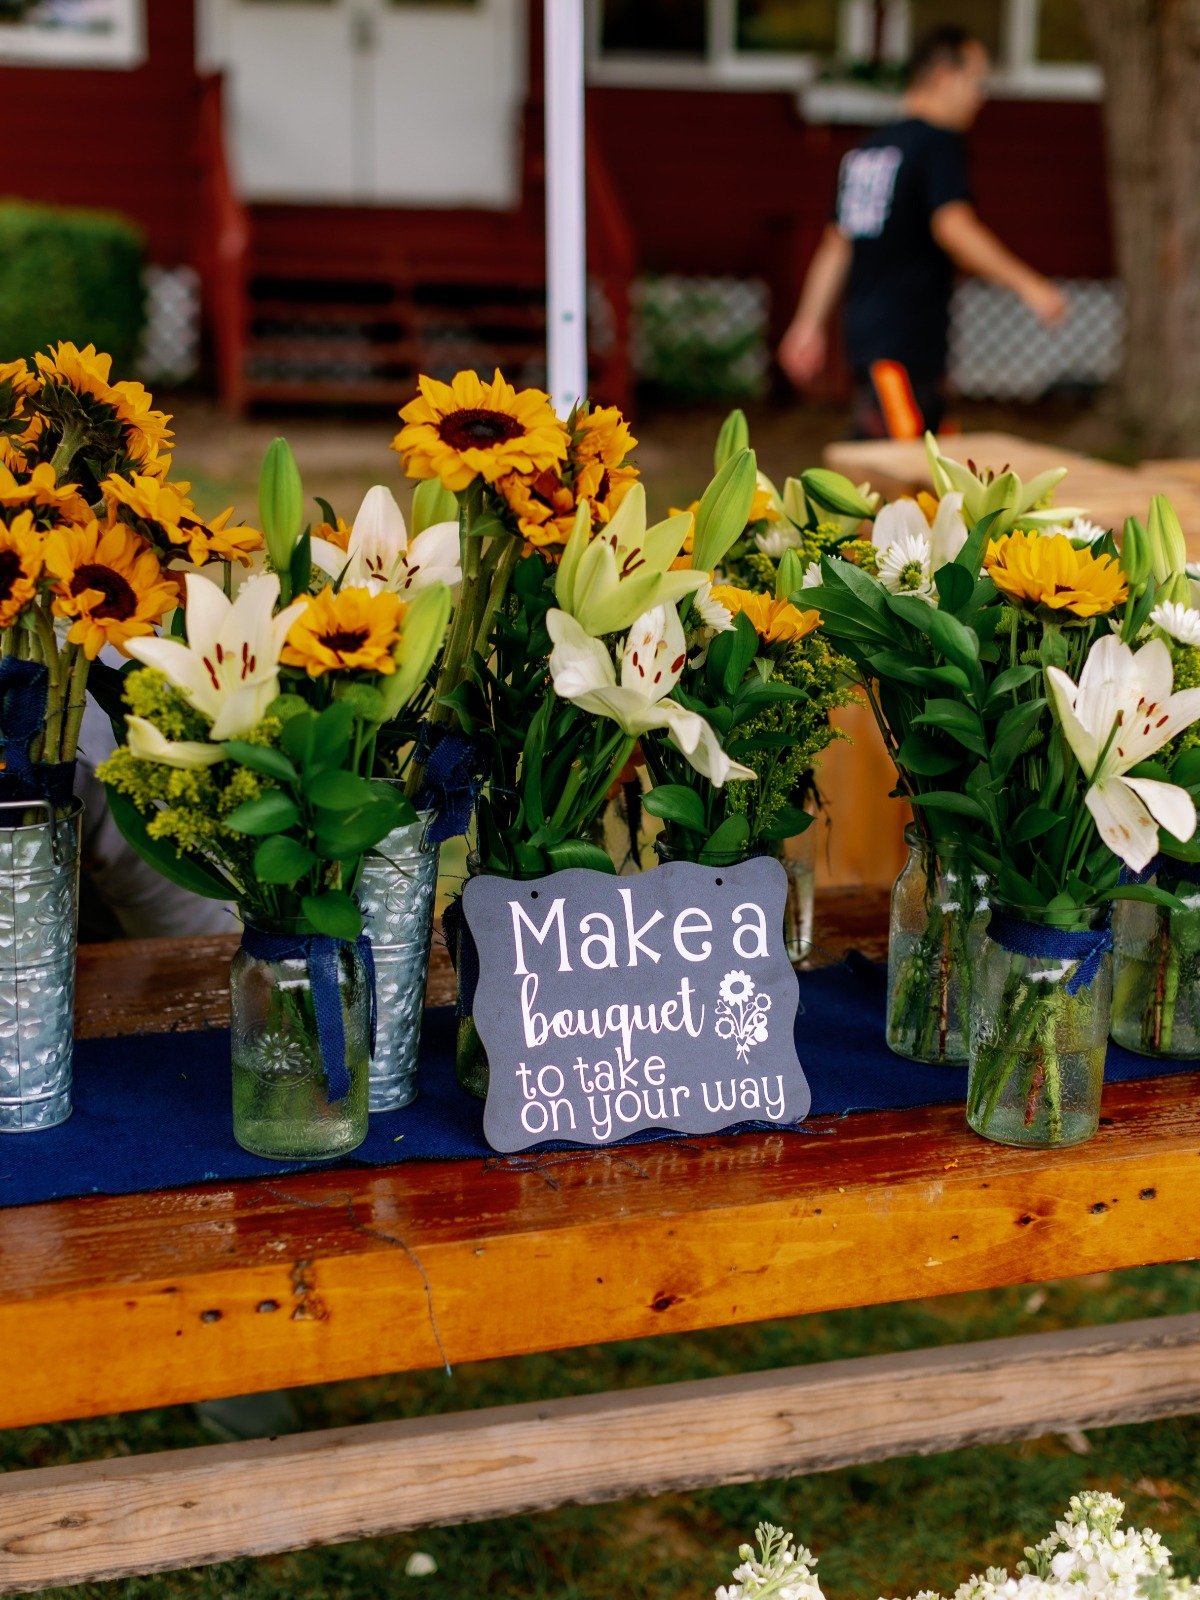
<point x="229" y="668"/>
<point x="945" y="537"/>
<point x="1121" y="711"/>
<point x="608" y="579"/>
<point x="652" y="658"/>
<point x="1179" y="622"/>
<point x="983" y="492"/>
<point x="380" y="555"/>
<point x="148" y="744"/>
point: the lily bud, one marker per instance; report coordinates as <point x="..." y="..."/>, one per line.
<point x="421" y="635"/>
<point x="734" y="436"/>
<point x="280" y="503"/>
<point x="432" y="503"/>
<point x="723" y="510"/>
<point x="794" y="504"/>
<point x="1168" y="548"/>
<point x="1135" y="554"/>
<point x="836" y="493"/>
<point x="1178" y="588"/>
<point x="790" y="576"/>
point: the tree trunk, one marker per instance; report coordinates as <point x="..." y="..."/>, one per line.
<point x="1150" y="54"/>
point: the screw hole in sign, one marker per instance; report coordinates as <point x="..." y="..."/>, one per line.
<point x="533" y="894"/>
<point x="720" y="881"/>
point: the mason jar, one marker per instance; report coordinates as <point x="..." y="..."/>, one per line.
<point x="938" y="914"/>
<point x="1156" y="969"/>
<point x="283" y="1102"/>
<point x="1041" y="999"/>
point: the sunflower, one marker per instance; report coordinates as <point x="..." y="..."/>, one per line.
<point x="775" y="621"/>
<point x="602" y="435"/>
<point x="350" y="631"/>
<point x="19" y="428"/>
<point x="163" y="513"/>
<point x="466" y="429"/>
<point x="336" y="534"/>
<point x="107" y="419"/>
<point x="37" y="491"/>
<point x="1034" y="569"/>
<point x="109" y="582"/>
<point x="20" y="566"/>
<point x="215" y="540"/>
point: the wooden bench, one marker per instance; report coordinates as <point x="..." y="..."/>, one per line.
<point x="115" y="1303"/>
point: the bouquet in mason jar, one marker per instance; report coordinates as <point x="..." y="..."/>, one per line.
<point x="887" y="601"/>
<point x="251" y="739"/>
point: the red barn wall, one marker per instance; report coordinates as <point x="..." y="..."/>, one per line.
<point x="122" y="140"/>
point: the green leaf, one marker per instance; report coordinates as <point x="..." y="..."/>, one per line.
<point x="579" y="853"/>
<point x="958" y="643"/>
<point x="339" y="791"/>
<point x="946" y="800"/>
<point x="186" y="871"/>
<point x="920" y="754"/>
<point x="274" y="812"/>
<point x="331" y="735"/>
<point x="745" y="645"/>
<point x="675" y="802"/>
<point x="282" y="859"/>
<point x="333" y="913"/>
<point x="1185" y="769"/>
<point x="732" y="835"/>
<point x="297" y="736"/>
<point x="1033" y="824"/>
<point x="342" y="835"/>
<point x="955" y="586"/>
<point x="1012" y="733"/>
<point x="1008" y="682"/>
<point x="971" y="554"/>
<point x="261" y="758"/>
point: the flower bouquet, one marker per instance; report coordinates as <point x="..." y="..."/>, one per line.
<point x="91" y="533"/>
<point x="246" y="776"/>
<point x="889" y="603"/>
<point x="1045" y="716"/>
<point x="567" y="644"/>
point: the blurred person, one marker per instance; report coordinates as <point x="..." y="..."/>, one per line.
<point x="903" y="223"/>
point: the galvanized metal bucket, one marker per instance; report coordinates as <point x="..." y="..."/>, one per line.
<point x="396" y="892"/>
<point x="39" y="914"/>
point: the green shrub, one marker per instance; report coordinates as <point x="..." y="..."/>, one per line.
<point x="67" y="274"/>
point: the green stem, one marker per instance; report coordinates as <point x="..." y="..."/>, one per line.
<point x="48" y="643"/>
<point x="76" y="701"/>
<point x="61" y="460"/>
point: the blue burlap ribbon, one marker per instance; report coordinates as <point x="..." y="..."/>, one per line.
<point x="1087" y="947"/>
<point x="450" y="780"/>
<point x="23" y="687"/>
<point x="1164" y="866"/>
<point x="321" y="954"/>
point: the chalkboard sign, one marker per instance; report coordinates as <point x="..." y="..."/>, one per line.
<point x="661" y="1000"/>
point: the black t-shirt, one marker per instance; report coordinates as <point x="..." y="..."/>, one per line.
<point x="898" y="295"/>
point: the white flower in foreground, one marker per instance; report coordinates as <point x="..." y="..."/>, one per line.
<point x="380" y="554"/>
<point x="229" y="668"/>
<point x="1121" y="711"/>
<point x="711" y="612"/>
<point x="420" y="1565"/>
<point x="1084" y="531"/>
<point x="812" y="578"/>
<point x="1181" y="622"/>
<point x="906" y="567"/>
<point x="652" y="658"/>
<point x="608" y="579"/>
<point x="148" y="744"/>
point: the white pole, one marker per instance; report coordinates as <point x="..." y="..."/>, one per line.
<point x="566" y="228"/>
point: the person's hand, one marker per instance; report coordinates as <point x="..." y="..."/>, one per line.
<point x="802" y="352"/>
<point x="1046" y="300"/>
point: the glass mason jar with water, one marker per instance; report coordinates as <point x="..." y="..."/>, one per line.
<point x="1156" y="968"/>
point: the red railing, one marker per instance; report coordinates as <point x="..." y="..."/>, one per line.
<point x="222" y="250"/>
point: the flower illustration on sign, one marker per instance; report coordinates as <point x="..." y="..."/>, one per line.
<point x="741" y="1014"/>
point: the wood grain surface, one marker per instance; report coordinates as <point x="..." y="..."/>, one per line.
<point x="184" y="1508"/>
<point x="114" y="1303"/>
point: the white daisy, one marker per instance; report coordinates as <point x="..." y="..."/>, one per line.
<point x="711" y="612"/>
<point x="812" y="576"/>
<point x="1084" y="531"/>
<point x="1180" y="622"/>
<point x="783" y="536"/>
<point x="906" y="567"/>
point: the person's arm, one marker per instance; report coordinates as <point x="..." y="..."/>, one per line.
<point x="802" y="349"/>
<point x="975" y="248"/>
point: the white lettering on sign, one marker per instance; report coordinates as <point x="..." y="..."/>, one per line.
<point x="663" y="1000"/>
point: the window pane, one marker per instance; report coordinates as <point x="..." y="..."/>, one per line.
<point x="981" y="17"/>
<point x="1062" y="35"/>
<point x="654" y="27"/>
<point x="800" y="25"/>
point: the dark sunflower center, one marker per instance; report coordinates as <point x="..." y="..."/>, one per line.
<point x="10" y="571"/>
<point x="345" y="640"/>
<point x="119" y="600"/>
<point x="478" y="429"/>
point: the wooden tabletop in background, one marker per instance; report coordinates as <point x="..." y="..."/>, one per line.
<point x="115" y="1303"/>
<point x="1107" y="493"/>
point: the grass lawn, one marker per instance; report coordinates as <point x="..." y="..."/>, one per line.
<point x="891" y="1528"/>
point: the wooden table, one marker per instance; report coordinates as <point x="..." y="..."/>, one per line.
<point x="1106" y="492"/>
<point x="110" y="1304"/>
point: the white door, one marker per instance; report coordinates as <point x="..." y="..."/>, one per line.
<point x="389" y="102"/>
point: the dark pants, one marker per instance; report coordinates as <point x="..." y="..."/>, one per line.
<point x="867" y="416"/>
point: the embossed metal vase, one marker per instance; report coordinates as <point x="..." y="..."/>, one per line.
<point x="396" y="892"/>
<point x="39" y="914"/>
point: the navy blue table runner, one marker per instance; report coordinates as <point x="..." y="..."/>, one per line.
<point x="152" y="1111"/>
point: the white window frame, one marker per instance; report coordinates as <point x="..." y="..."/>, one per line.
<point x="1018" y="75"/>
<point x="33" y="45"/>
